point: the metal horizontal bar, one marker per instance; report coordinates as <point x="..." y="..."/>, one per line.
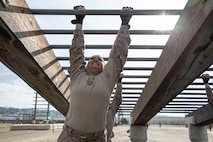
<point x="183" y="104"/>
<point x="130" y="111"/>
<point x="108" y="47"/>
<point x="133" y="101"/>
<point x="132" y="83"/>
<point x="200" y="83"/>
<point x="121" y="114"/>
<point x="132" y="88"/>
<point x="124" y="114"/>
<point x="136" y="32"/>
<point x="106" y="59"/>
<point x="180" y="107"/>
<point x="103" y="12"/>
<point x="130" y="97"/>
<point x="126" y="108"/>
<point x="125" y="111"/>
<point x="167" y="108"/>
<point x="162" y="111"/>
<point x="188" y="108"/>
<point x="188" y="101"/>
<point x="194" y="93"/>
<point x="137" y="76"/>
<point x="191" y="98"/>
<point x="195" y="88"/>
<point x="132" y="93"/>
<point x="130" y="101"/>
<point x="129" y="68"/>
<point x="174" y="111"/>
<point x="127" y="105"/>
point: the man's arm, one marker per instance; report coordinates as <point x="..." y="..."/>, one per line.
<point x="117" y="99"/>
<point x="209" y="93"/>
<point x="120" y="47"/>
<point x="77" y="60"/>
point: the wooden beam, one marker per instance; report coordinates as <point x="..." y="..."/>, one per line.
<point x="202" y="116"/>
<point x="30" y="56"/>
<point x="183" y="59"/>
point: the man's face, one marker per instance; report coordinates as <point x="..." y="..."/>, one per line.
<point x="95" y="64"/>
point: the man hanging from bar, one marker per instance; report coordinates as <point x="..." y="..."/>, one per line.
<point x="113" y="107"/>
<point x="92" y="83"/>
<point x="208" y="88"/>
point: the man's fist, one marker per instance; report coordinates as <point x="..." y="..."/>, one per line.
<point x="126" y="17"/>
<point x="205" y="78"/>
<point x="79" y="18"/>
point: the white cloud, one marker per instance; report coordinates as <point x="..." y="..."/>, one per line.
<point x="16" y="94"/>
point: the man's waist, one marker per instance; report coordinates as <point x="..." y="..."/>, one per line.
<point x="78" y="134"/>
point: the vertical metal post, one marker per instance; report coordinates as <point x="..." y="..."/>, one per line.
<point x="53" y="125"/>
<point x="34" y="116"/>
<point x="48" y="111"/>
<point x="119" y="118"/>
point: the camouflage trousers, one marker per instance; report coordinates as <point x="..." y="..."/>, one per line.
<point x="70" y="135"/>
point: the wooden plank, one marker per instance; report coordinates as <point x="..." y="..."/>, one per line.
<point x="181" y="61"/>
<point x="202" y="116"/>
<point x="26" y="51"/>
<point x="15" y="56"/>
<point x="17" y="127"/>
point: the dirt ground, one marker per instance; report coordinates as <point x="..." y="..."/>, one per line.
<point x="165" y="133"/>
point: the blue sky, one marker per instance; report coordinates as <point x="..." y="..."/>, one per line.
<point x="16" y="93"/>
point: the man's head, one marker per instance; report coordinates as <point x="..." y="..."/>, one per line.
<point x="95" y="64"/>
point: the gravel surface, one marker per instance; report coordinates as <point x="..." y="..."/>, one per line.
<point x="165" y="133"/>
